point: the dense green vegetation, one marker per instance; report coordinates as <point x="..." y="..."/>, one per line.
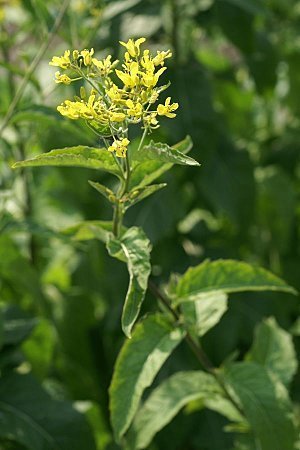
<point x="235" y="74"/>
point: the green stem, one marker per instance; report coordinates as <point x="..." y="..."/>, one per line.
<point x="195" y="346"/>
<point x="142" y="139"/>
<point x="19" y="93"/>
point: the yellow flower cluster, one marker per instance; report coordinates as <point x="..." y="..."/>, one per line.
<point x="110" y="105"/>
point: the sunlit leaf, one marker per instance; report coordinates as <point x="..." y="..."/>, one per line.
<point x="80" y="156"/>
<point x="134" y="248"/>
<point x="212" y="277"/>
<point x="139" y="361"/>
<point x="273" y="348"/>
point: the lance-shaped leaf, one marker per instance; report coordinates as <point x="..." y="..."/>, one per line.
<point x="204" y="314"/>
<point x="32" y="418"/>
<point x="212" y="277"/>
<point x="80" y="156"/>
<point x="273" y="348"/>
<point x="265" y="404"/>
<point x="139" y="361"/>
<point x="146" y="172"/>
<point x="169" y="397"/>
<point x="164" y="153"/>
<point x="134" y="248"/>
<point x="103" y="190"/>
<point x="138" y="194"/>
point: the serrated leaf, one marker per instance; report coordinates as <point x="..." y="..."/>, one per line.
<point x="134" y="247"/>
<point x="91" y="229"/>
<point x="273" y="348"/>
<point x="80" y="156"/>
<point x="166" y="401"/>
<point x="139" y="194"/>
<point x="204" y="314"/>
<point x="212" y="277"/>
<point x="139" y="361"/>
<point x="32" y="418"/>
<point x="265" y="404"/>
<point x="146" y="172"/>
<point x="164" y="153"/>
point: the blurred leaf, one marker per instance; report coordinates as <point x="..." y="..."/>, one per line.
<point x="226" y="276"/>
<point x="17" y="325"/>
<point x="90" y="229"/>
<point x="146" y="172"/>
<point x="265" y="404"/>
<point x="80" y="156"/>
<point x="236" y="21"/>
<point x="273" y="348"/>
<point x="163" y="153"/>
<point x="166" y="401"/>
<point x="32" y="418"/>
<point x="135" y="247"/>
<point x="39" y="348"/>
<point x="204" y="314"/>
<point x="139" y="361"/>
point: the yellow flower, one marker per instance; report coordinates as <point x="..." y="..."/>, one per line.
<point x="104" y="66"/>
<point x="61" y="61"/>
<point x="159" y="59"/>
<point x="86" y="56"/>
<point x="150" y="78"/>
<point x="116" y="116"/>
<point x="150" y="120"/>
<point x="134" y="109"/>
<point x="115" y="94"/>
<point x="133" y="47"/>
<point x="166" y="109"/>
<point x="131" y="78"/>
<point x="69" y="109"/>
<point x="62" y="78"/>
<point x="119" y="147"/>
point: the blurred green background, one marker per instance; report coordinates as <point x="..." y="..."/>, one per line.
<point x="235" y="73"/>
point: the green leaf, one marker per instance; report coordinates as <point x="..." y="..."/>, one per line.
<point x="146" y="172"/>
<point x="164" y="153"/>
<point x="226" y="276"/>
<point x="133" y="247"/>
<point x="80" y="156"/>
<point x="265" y="404"/>
<point x="273" y="348"/>
<point x="17" y="326"/>
<point x="103" y="190"/>
<point x="166" y="401"/>
<point x="204" y="314"/>
<point x="139" y="361"/>
<point x="90" y="229"/>
<point x="138" y="194"/>
<point x="32" y="418"/>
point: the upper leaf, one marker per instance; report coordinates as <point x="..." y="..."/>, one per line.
<point x="273" y="348"/>
<point x="167" y="400"/>
<point x="147" y="171"/>
<point x="80" y="156"/>
<point x="133" y="247"/>
<point x="163" y="152"/>
<point x="265" y="404"/>
<point x="32" y="418"/>
<point x="226" y="276"/>
<point x="140" y="359"/>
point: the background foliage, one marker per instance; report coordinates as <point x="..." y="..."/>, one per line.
<point x="235" y="74"/>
